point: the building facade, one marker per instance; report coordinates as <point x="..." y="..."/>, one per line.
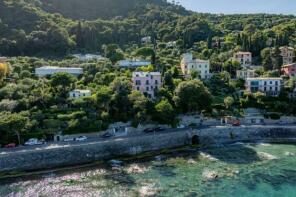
<point x="147" y="82"/>
<point x="289" y="70"/>
<point x="245" y="73"/>
<point x="50" y="70"/>
<point x="244" y="58"/>
<point x="268" y="86"/>
<point x="188" y="64"/>
<point x="75" y="94"/>
<point x="288" y="54"/>
<point x="133" y="63"/>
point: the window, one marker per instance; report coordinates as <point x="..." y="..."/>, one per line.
<point x="270" y="88"/>
<point x="147" y="82"/>
<point x="276" y="83"/>
<point x="156" y="82"/>
<point x="265" y="83"/>
<point x="147" y="88"/>
<point x="138" y="88"/>
<point x="270" y="82"/>
<point x="138" y="82"/>
<point x="276" y="88"/>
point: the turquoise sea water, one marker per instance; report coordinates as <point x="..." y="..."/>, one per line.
<point x="245" y="170"/>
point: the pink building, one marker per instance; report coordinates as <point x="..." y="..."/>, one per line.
<point x="289" y="70"/>
<point x="147" y="82"/>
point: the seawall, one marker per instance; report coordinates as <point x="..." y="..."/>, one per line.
<point x="69" y="155"/>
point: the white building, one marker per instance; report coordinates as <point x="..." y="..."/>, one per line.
<point x="189" y="64"/>
<point x="245" y="73"/>
<point x="133" y="63"/>
<point x="75" y="94"/>
<point x="244" y="58"/>
<point x="288" y="54"/>
<point x="269" y="86"/>
<point x="87" y="57"/>
<point x="50" y="70"/>
<point x="147" y="82"/>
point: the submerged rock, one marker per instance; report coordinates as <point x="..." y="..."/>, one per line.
<point x="210" y="175"/>
<point x="136" y="169"/>
<point x="191" y="161"/>
<point x="289" y="154"/>
<point x="266" y="156"/>
<point x="208" y="157"/>
<point x="148" y="190"/>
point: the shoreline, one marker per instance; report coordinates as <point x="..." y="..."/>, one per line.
<point x="91" y="154"/>
<point x="146" y="156"/>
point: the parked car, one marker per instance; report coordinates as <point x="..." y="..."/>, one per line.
<point x="181" y="126"/>
<point x="149" y="130"/>
<point x="34" y="141"/>
<point x="158" y="129"/>
<point x="11" y="145"/>
<point x="81" y="138"/>
<point x="106" y="135"/>
<point x="68" y="140"/>
<point x="236" y="123"/>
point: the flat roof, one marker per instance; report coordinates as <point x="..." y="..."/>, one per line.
<point x="82" y="91"/>
<point x="143" y="74"/>
<point x="265" y="78"/>
<point x="56" y="67"/>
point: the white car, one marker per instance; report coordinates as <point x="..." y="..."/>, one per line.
<point x="68" y="140"/>
<point x="181" y="126"/>
<point x="81" y="138"/>
<point x="33" y="142"/>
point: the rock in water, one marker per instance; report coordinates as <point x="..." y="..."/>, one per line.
<point x="266" y="156"/>
<point x="210" y="175"/>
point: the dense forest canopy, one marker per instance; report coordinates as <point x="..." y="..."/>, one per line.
<point x="38" y="27"/>
<point x="35" y="33"/>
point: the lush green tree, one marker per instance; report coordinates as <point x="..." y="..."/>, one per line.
<point x="139" y="105"/>
<point x="13" y="123"/>
<point x="192" y="96"/>
<point x="120" y="103"/>
<point x="228" y="101"/>
<point x="113" y="52"/>
<point x="146" y="52"/>
<point x="164" y="112"/>
<point x="62" y="83"/>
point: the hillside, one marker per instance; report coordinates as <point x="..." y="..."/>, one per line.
<point x="105" y="9"/>
<point x="51" y="27"/>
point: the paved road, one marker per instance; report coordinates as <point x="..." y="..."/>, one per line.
<point x="96" y="139"/>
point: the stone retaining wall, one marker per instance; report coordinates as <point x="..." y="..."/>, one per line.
<point x="96" y="151"/>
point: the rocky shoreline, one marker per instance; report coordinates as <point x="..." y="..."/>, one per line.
<point x="88" y="153"/>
